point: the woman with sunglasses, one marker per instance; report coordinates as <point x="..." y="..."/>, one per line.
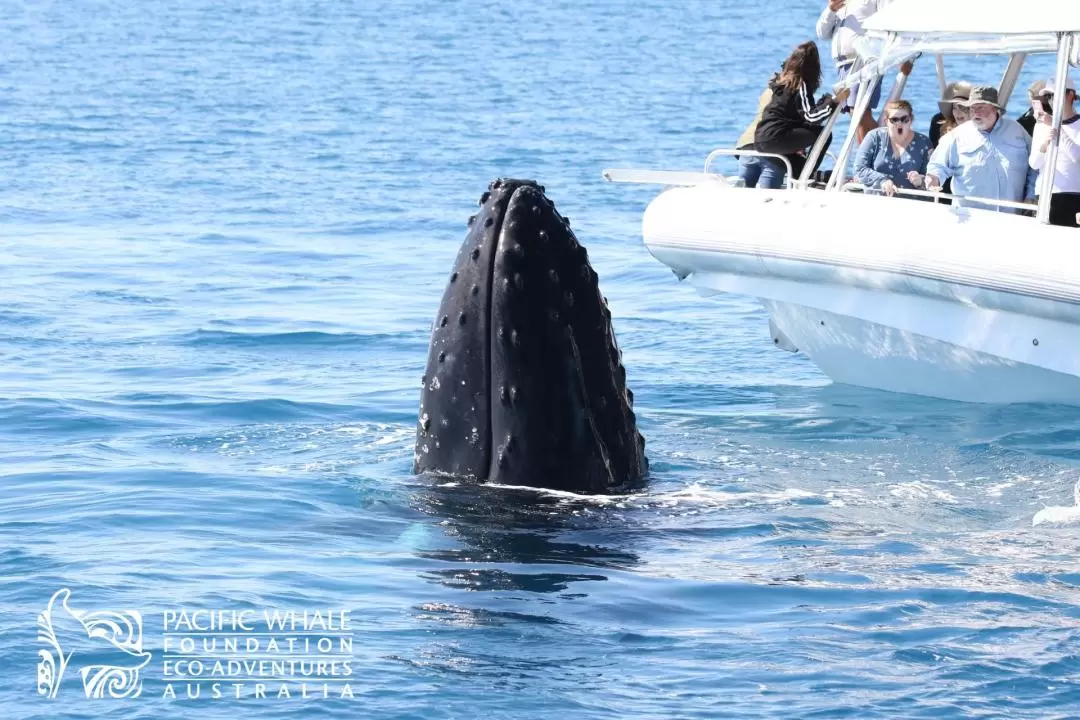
<point x="894" y="156"/>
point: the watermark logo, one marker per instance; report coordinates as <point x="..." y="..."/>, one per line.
<point x="204" y="653"/>
<point x="106" y="646"/>
<point x="267" y="653"/>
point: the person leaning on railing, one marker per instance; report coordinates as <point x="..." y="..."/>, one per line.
<point x="792" y="121"/>
<point x="894" y="156"/>
<point x="986" y="157"/>
<point x="1065" y="195"/>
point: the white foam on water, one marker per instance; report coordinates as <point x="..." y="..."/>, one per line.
<point x="566" y="494"/>
<point x="701" y="495"/>
<point x="695" y="495"/>
<point x="917" y="489"/>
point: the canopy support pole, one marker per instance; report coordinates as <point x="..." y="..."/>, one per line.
<point x="1046" y="177"/>
<point x="1008" y="80"/>
<point x="863" y="102"/>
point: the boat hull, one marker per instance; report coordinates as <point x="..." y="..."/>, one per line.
<point x="855" y="351"/>
<point x="993" y="315"/>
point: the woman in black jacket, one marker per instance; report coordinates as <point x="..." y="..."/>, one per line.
<point x="792" y="120"/>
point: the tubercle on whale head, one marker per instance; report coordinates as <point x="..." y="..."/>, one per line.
<point x="528" y="386"/>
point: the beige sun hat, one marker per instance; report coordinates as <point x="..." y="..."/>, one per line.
<point x="959" y="90"/>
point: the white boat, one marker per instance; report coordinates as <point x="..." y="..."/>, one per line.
<point x="948" y="301"/>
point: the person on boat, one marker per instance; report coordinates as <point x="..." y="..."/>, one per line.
<point x="756" y="171"/>
<point x="1030" y="116"/>
<point x="841" y="22"/>
<point x="792" y="121"/>
<point x="951" y="114"/>
<point x="1065" y="195"/>
<point x="986" y="157"/>
<point x="894" y="156"/>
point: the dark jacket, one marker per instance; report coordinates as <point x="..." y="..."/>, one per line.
<point x="788" y="111"/>
<point x="1027" y="121"/>
<point x="935" y="129"/>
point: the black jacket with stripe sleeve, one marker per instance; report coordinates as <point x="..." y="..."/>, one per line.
<point x="788" y="111"/>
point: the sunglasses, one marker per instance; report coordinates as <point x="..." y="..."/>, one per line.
<point x="900" y="119"/>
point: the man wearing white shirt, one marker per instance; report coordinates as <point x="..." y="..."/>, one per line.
<point x="841" y="21"/>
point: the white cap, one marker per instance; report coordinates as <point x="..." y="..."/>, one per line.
<point x="1049" y="89"/>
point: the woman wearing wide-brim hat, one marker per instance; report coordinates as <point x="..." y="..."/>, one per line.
<point x="948" y="117"/>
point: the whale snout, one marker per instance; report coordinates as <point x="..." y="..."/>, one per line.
<point x="525" y="383"/>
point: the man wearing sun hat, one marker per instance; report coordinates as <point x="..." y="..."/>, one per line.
<point x="1065" y="197"/>
<point x="986" y="157"/>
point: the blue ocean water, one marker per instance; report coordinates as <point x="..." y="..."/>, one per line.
<point x="224" y="232"/>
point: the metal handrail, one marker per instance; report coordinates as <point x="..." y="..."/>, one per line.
<point x="818" y="147"/>
<point x="753" y="153"/>
<point x="861" y="105"/>
<point x="939" y="195"/>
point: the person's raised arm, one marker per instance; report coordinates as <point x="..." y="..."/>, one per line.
<point x="824" y="107"/>
<point x="829" y="20"/>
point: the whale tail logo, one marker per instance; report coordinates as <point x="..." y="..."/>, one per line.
<point x="108" y="646"/>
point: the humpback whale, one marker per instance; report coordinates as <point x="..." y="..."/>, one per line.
<point x="524" y="383"/>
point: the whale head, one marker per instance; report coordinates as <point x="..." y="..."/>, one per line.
<point x="524" y="383"/>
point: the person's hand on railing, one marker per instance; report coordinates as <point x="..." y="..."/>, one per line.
<point x="932" y="183"/>
<point x="842" y="96"/>
<point x="888" y="187"/>
<point x="915" y="179"/>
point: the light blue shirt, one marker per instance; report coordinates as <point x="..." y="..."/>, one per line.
<point x="986" y="164"/>
<point x="876" y="162"/>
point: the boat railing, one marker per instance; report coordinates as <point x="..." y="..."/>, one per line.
<point x="720" y="152"/>
<point x="663" y="177"/>
<point x="937" y="196"/>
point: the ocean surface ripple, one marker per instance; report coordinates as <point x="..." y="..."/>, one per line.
<point x="226" y="229"/>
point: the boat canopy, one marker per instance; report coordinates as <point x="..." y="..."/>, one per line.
<point x="905" y="29"/>
<point x="976" y="17"/>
